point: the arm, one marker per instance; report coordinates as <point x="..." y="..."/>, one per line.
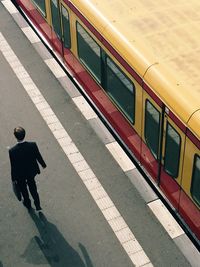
<point x="13" y="178"/>
<point x="39" y="157"/>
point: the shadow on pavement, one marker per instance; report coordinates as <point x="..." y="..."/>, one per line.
<point x="53" y="246"/>
<point x="1" y="264"/>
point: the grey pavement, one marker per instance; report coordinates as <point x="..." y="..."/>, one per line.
<point x="71" y="230"/>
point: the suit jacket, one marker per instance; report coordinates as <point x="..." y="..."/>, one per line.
<point x="24" y="158"/>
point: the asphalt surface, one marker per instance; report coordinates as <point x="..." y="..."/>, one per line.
<point x="71" y="230"/>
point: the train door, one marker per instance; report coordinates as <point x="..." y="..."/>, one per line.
<point x="56" y="26"/>
<point x="151" y="137"/>
<point x="66" y="20"/>
<point x="189" y="206"/>
<point x="172" y="160"/>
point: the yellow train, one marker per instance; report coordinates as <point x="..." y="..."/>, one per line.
<point x="138" y="62"/>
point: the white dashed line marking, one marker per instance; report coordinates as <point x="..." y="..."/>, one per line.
<point x="165" y="218"/>
<point x="9" y="6"/>
<point x="120" y="156"/>
<point x="112" y="215"/>
<point x="84" y="107"/>
<point x="31" y="35"/>
<point x="55" y="68"/>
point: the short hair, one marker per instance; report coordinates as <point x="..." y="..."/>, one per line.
<point x="19" y="133"/>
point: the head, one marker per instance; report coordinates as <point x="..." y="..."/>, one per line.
<point x="19" y="133"/>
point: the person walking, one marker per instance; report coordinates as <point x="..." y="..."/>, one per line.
<point x="24" y="159"/>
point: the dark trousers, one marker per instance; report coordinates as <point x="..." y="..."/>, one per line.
<point x="30" y="183"/>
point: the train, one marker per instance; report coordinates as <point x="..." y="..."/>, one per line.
<point x="138" y="63"/>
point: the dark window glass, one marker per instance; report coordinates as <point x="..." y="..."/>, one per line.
<point x="152" y="128"/>
<point x="89" y="52"/>
<point x="172" y="151"/>
<point x="55" y="17"/>
<point x="195" y="188"/>
<point x="41" y="5"/>
<point x="121" y="89"/>
<point x="66" y="27"/>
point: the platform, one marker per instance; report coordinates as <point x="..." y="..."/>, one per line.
<point x="97" y="209"/>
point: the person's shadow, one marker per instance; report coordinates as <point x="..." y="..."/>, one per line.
<point x="54" y="247"/>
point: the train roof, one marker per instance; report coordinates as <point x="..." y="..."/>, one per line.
<point x="160" y="40"/>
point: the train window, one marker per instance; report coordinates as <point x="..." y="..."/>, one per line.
<point x="55" y="17"/>
<point x="66" y="27"/>
<point x="41" y="5"/>
<point x="152" y="128"/>
<point x="120" y="89"/>
<point x="172" y="151"/>
<point x="89" y="52"/>
<point x="195" y="188"/>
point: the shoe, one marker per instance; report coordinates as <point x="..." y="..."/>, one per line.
<point x="38" y="208"/>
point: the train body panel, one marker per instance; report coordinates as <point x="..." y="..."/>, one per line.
<point x="173" y="93"/>
<point x="194" y="125"/>
<point x="152" y="109"/>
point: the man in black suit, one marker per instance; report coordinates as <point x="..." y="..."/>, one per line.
<point x="24" y="158"/>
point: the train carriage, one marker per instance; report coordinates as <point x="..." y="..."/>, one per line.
<point x="138" y="63"/>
